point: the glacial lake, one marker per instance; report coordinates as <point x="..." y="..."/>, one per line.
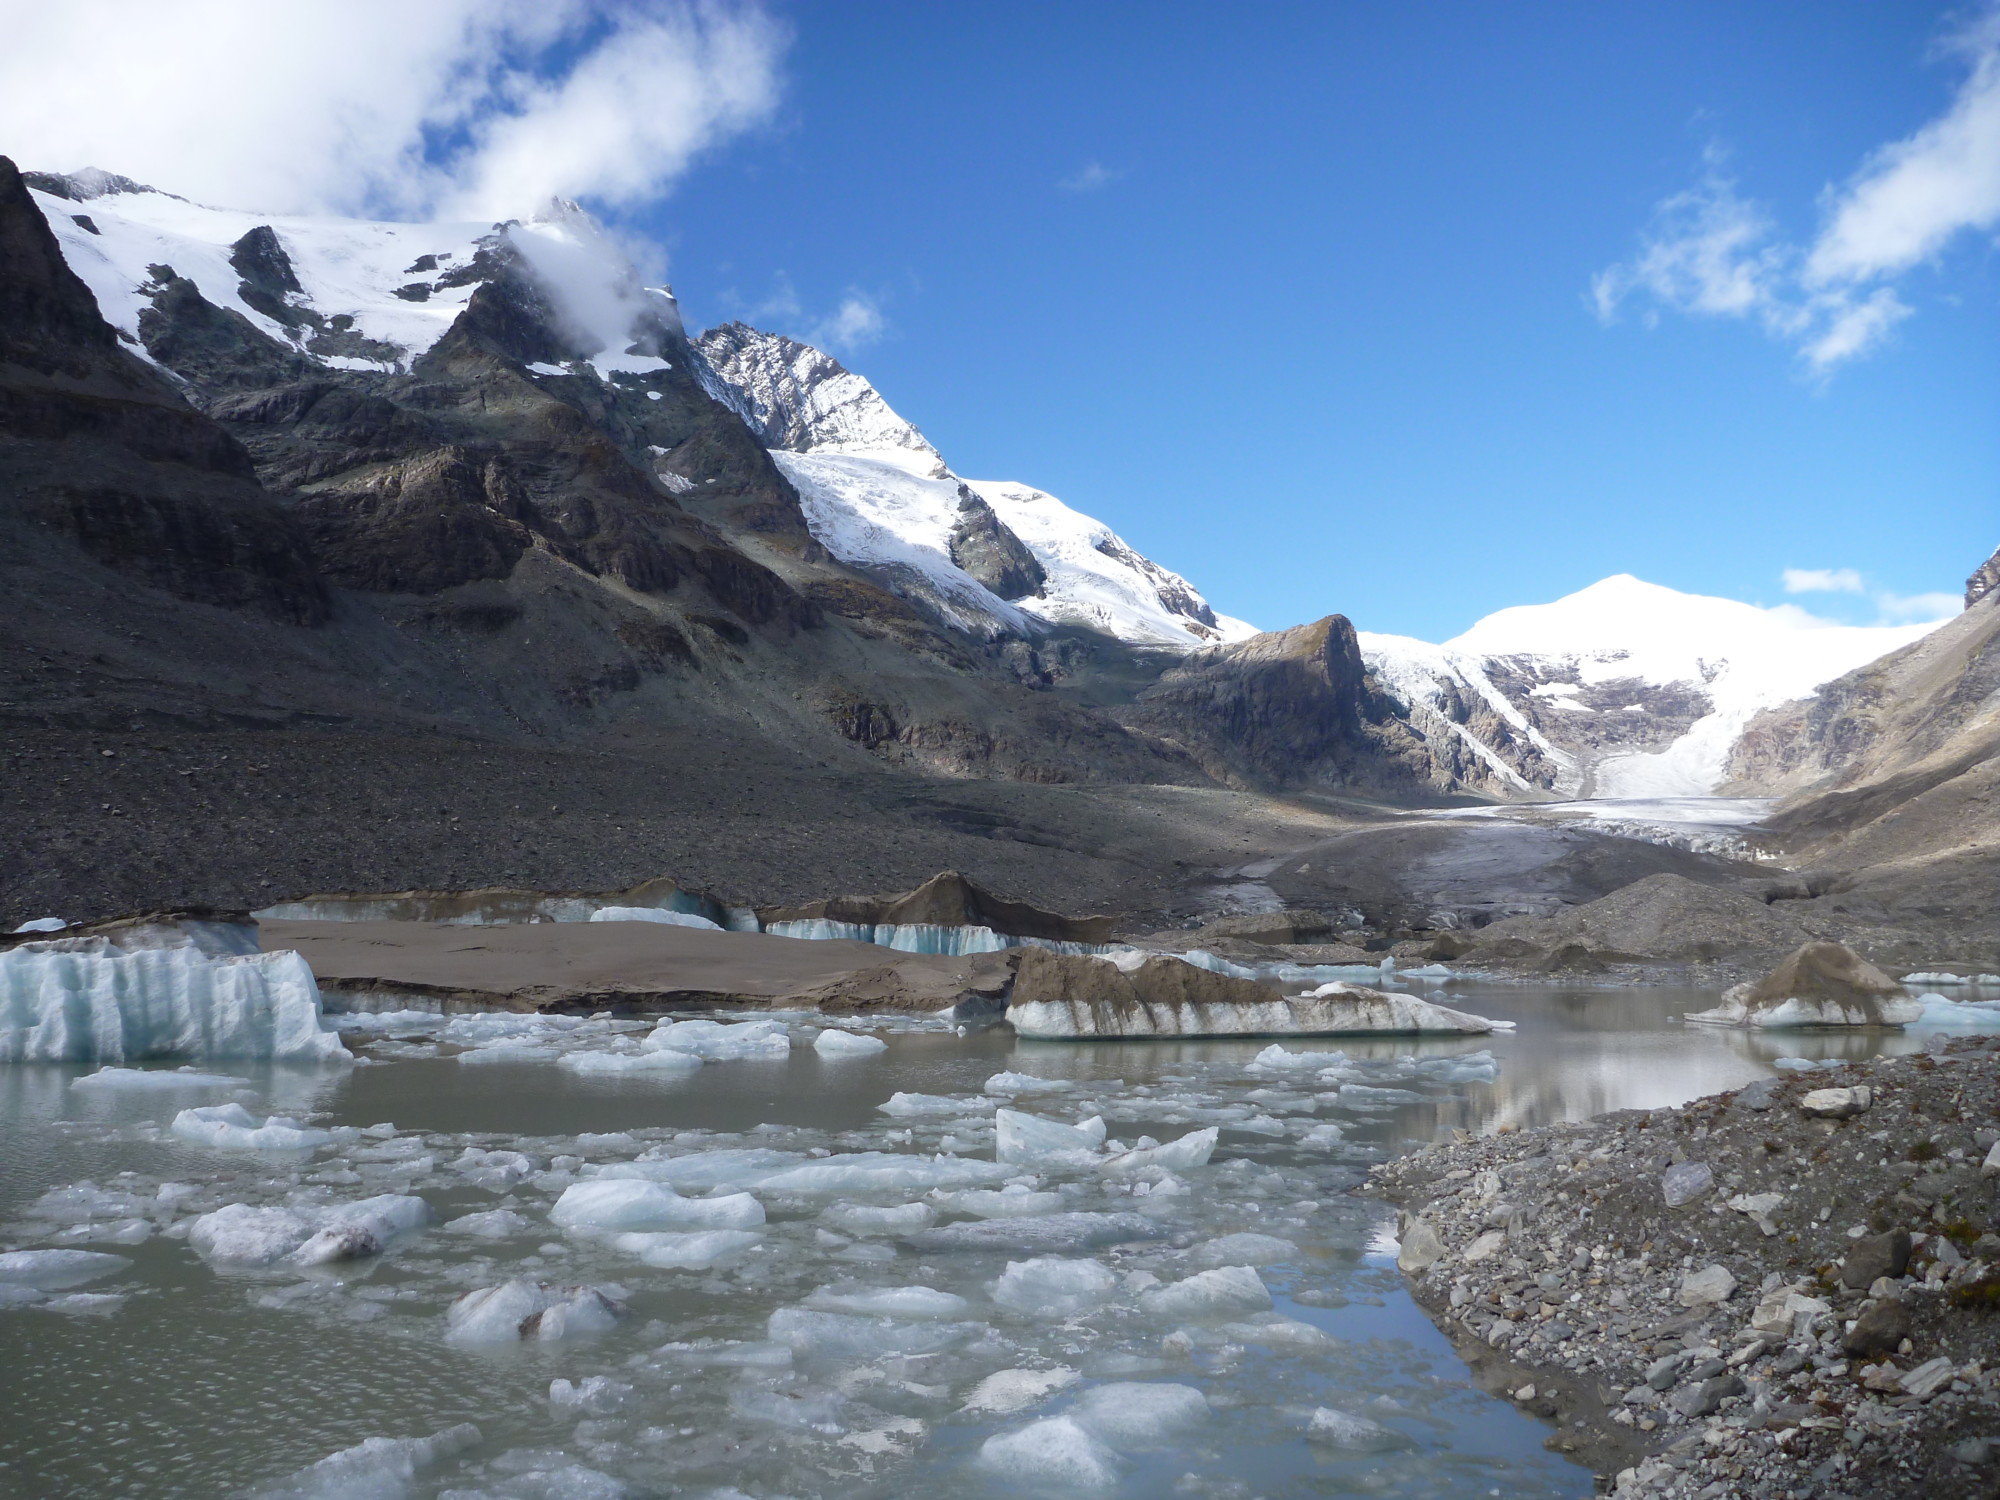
<point x="793" y="1365"/>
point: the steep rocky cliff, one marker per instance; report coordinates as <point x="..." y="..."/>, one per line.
<point x="1289" y="708"/>
<point x="1984" y="580"/>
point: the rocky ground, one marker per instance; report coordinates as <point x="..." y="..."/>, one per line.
<point x="1776" y="1292"/>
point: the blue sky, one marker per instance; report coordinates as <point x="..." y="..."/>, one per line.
<point x="1299" y="299"/>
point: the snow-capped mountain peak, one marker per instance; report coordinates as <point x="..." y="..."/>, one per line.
<point x="880" y="497"/>
<point x="1621" y="689"/>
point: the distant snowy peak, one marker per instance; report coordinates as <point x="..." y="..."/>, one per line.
<point x="989" y="557"/>
<point x="1099" y="582"/>
<point x="346" y="293"/>
<point x="1622" y="689"/>
<point x="797" y="398"/>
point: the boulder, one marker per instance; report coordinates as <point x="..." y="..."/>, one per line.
<point x="1057" y="995"/>
<point x="1707" y="1287"/>
<point x="1821" y="984"/>
<point x="1686" y="1181"/>
<point x="1880" y="1330"/>
<point x="1837" y="1104"/>
<point x="1876" y="1256"/>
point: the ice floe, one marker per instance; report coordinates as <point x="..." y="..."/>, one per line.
<point x="84" y="1000"/>
<point x="522" y="1309"/>
<point x="231" y="1127"/>
<point x="834" y="1042"/>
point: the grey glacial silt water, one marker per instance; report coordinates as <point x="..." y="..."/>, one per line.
<point x="779" y="1309"/>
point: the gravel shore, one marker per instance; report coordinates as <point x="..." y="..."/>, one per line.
<point x="1788" y="1291"/>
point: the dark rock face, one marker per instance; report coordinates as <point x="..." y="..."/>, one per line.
<point x="97" y="446"/>
<point x="1289" y="708"/>
<point x="1984" y="581"/>
<point x="983" y="545"/>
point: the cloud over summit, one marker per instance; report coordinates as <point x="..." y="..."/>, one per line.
<point x="474" y="108"/>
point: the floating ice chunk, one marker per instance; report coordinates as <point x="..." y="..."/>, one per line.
<point x="1024" y="1083"/>
<point x="1938" y="1010"/>
<point x="1014" y="1201"/>
<point x="242" y="1234"/>
<point x="13" y="1294"/>
<point x="660" y="1064"/>
<point x="1050" y="1286"/>
<point x="231" y="1127"/>
<point x="696" y="1251"/>
<point x="862" y="1218"/>
<point x="1044" y="1233"/>
<point x="508" y="1052"/>
<point x="595" y="1395"/>
<point x="1366" y="1096"/>
<point x="631" y="1203"/>
<point x="842" y="1335"/>
<point x="882" y="1172"/>
<point x="1280" y="1333"/>
<point x="494" y="1224"/>
<point x="152" y="1080"/>
<point x="1806" y="1064"/>
<point x="1322" y="1135"/>
<point x="1007" y="1391"/>
<point x="522" y="1309"/>
<point x="52" y="1270"/>
<point x="1191" y="1150"/>
<point x="720" y="1041"/>
<point x="1474" y="1067"/>
<point x="1029" y="1138"/>
<point x="57" y="924"/>
<point x="1209" y="1296"/>
<point x="377" y="1469"/>
<point x="910" y="1302"/>
<point x="1276" y="1056"/>
<point x="1054" y="1453"/>
<point x="86" y="1304"/>
<point x="834" y="1042"/>
<point x="493" y="1169"/>
<point x="1245" y="1249"/>
<point x="1339" y="1429"/>
<point x="1140" y="1414"/>
<point x="83" y="1000"/>
<point x="737" y="1167"/>
<point x="917" y="1105"/>
<point x="653" y="914"/>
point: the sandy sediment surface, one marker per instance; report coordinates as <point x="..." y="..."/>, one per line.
<point x="626" y="965"/>
<point x="1768" y="1293"/>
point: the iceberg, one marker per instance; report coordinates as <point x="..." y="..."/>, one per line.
<point x="522" y="1309"/>
<point x="696" y="1250"/>
<point x="653" y="914"/>
<point x="152" y="1080"/>
<point x="1028" y="1138"/>
<point x="87" y="1000"/>
<point x="231" y="1127"/>
<point x="53" y="1270"/>
<point x="244" y="1235"/>
<point x="1053" y="1286"/>
<point x="633" y="1203"/>
<point x="656" y="1064"/>
<point x="377" y="1466"/>
<point x="1820" y="984"/>
<point x="720" y="1041"/>
<point x="834" y="1042"/>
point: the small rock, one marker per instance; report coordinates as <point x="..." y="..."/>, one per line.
<point x="1975" y="1451"/>
<point x="1421" y="1248"/>
<point x="1525" y="1393"/>
<point x="1760" y="1095"/>
<point x="1879" y="1330"/>
<point x="1991" y="1166"/>
<point x="1877" y="1256"/>
<point x="1485" y="1247"/>
<point x="1707" y="1287"/>
<point x="1664" y="1371"/>
<point x="1686" y="1181"/>
<point x="1837" y="1104"/>
<point x="1928" y="1378"/>
<point x="1757" y="1205"/>
<point x="1706" y="1399"/>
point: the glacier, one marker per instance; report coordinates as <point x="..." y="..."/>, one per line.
<point x="83" y="1000"/>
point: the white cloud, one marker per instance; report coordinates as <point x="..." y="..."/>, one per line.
<point x="1915" y="195"/>
<point x="1088" y="178"/>
<point x="483" y="107"/>
<point x="855" y="324"/>
<point x="1823" y="581"/>
<point x="1918" y="609"/>
<point x="1710" y="252"/>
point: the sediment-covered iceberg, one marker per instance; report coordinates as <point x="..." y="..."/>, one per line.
<point x="1056" y="996"/>
<point x="1821" y="984"/>
<point x="89" y="1000"/>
